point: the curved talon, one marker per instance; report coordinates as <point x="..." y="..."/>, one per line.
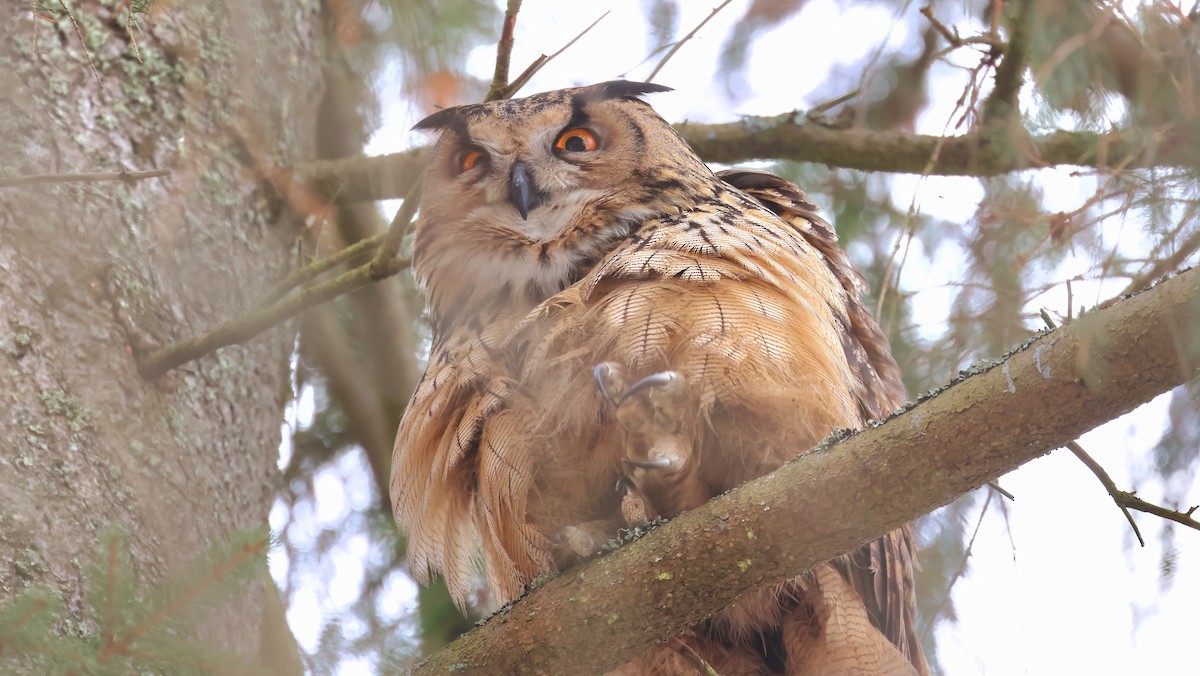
<point x="652" y="463"/>
<point x="660" y="379"/>
<point x="602" y="372"/>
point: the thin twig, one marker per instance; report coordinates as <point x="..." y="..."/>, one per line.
<point x="128" y="176"/>
<point x="542" y="60"/>
<point x="1071" y="45"/>
<point x="1108" y="484"/>
<point x="319" y="267"/>
<point x="255" y="322"/>
<point x="956" y="41"/>
<point x="687" y="37"/>
<point x="1130" y="500"/>
<point x="995" y="485"/>
<point x="130" y="25"/>
<point x="504" y="52"/>
<point x="525" y="75"/>
<point x="951" y="36"/>
<point x="821" y="108"/>
<point x="398" y="228"/>
<point x="1164" y="266"/>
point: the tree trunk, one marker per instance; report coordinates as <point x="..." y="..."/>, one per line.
<point x="95" y="272"/>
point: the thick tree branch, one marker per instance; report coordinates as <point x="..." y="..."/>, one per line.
<point x="789" y="137"/>
<point x="1004" y="413"/>
<point x="793" y="137"/>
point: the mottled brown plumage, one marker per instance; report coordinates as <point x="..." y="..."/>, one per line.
<point x="564" y="266"/>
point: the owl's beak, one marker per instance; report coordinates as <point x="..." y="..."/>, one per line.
<point x="521" y="191"/>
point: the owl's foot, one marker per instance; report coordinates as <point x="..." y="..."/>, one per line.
<point x="648" y="410"/>
<point x="585" y="539"/>
<point x="610" y="379"/>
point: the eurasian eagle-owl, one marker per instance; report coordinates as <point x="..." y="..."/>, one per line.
<point x="618" y="334"/>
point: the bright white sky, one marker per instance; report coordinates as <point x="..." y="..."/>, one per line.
<point x="1056" y="588"/>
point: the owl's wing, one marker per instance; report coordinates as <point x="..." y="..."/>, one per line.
<point x="879" y="389"/>
<point x="462" y="448"/>
<point x="881" y="572"/>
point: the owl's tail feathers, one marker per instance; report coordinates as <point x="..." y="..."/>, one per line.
<point x="814" y="624"/>
<point x="838" y="637"/>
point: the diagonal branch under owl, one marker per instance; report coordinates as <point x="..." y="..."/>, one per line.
<point x="607" y="311"/>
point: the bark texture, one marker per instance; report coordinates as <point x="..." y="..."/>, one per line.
<point x="94" y="271"/>
<point x="998" y="416"/>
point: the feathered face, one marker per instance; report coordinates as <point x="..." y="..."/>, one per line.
<point x="522" y="196"/>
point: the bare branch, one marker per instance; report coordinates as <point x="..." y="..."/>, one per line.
<point x="397" y="229"/>
<point x="792" y="137"/>
<point x="962" y="569"/>
<point x="1059" y="385"/>
<point x="504" y="52"/>
<point x="956" y="40"/>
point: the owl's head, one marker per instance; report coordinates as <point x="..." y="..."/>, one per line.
<point x="522" y="196"/>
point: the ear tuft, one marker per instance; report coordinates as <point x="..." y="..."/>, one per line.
<point x="446" y="118"/>
<point x="629" y="89"/>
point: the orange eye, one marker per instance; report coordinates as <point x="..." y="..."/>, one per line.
<point x="577" y="140"/>
<point x="469" y="159"/>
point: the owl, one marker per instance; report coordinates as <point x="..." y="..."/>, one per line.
<point x="620" y="334"/>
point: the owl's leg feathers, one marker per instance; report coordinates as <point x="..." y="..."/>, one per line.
<point x="636" y="508"/>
